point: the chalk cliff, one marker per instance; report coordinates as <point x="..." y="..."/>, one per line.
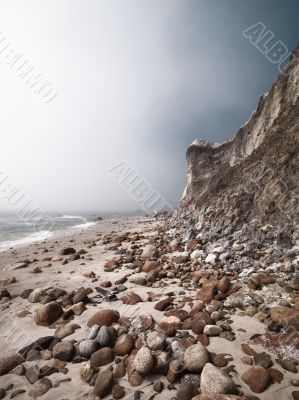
<point x="254" y="175"/>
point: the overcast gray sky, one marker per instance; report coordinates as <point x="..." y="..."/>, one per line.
<point x="137" y="80"/>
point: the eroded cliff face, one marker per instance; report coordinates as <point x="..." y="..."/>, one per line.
<point x="254" y="175"/>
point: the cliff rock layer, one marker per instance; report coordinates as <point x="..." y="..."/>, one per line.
<point x="254" y="175"/>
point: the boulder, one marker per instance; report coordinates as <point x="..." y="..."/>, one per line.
<point x="9" y="362"/>
<point x="48" y="314"/>
<point x="124" y="345"/>
<point x="103" y="317"/>
<point x="101" y="357"/>
<point x="196" y="357"/>
<point x="103" y="383"/>
<point x="215" y="381"/>
<point x="257" y="378"/>
<point x="143" y="361"/>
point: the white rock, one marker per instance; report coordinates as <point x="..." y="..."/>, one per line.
<point x="211" y="258"/>
<point x="214" y="381"/>
<point x="156" y="340"/>
<point x="143" y="361"/>
<point x="196" y="254"/>
<point x="196" y="357"/>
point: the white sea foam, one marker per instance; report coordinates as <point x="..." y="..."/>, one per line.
<point x="73" y="217"/>
<point x="32" y="238"/>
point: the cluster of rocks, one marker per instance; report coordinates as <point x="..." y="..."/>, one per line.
<point x="208" y="281"/>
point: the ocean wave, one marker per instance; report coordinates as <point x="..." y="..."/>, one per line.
<point x="32" y="238"/>
<point x="65" y="216"/>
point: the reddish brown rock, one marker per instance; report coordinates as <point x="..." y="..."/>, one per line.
<point x="150" y="266"/>
<point x="103" y="383"/>
<point x="103" y="317"/>
<point x="224" y="284"/>
<point x="124" y="345"/>
<point x="47" y="314"/>
<point x="163" y="304"/>
<point x="101" y="357"/>
<point x="9" y="362"/>
<point x="257" y="378"/>
<point x="248" y="350"/>
<point x="110" y="266"/>
<point x="260" y="280"/>
<point x="286" y="317"/>
<point x="131" y="298"/>
<point x="206" y="294"/>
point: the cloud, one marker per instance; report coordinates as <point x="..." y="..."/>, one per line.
<point x="137" y="80"/>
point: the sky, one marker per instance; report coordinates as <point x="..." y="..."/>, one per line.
<point x="136" y="81"/>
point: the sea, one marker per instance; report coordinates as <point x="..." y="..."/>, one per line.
<point x="15" y="232"/>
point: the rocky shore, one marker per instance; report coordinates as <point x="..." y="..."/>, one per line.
<point x="152" y="308"/>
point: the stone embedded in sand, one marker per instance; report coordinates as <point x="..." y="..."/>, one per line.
<point x="103" y="317"/>
<point x="286" y="317"/>
<point x="257" y="378"/>
<point x="161" y="361"/>
<point x="138" y="280"/>
<point x="9" y="362"/>
<point x="67" y="251"/>
<point x="64" y="351"/>
<point x="158" y="386"/>
<point x="93" y="332"/>
<point x="150" y="266"/>
<point x="212" y="330"/>
<point x="78" y="308"/>
<point x="248" y="350"/>
<point x="35" y="296"/>
<point x="206" y="294"/>
<point x="150" y="252"/>
<point x="103" y="337"/>
<point x="101" y="357"/>
<point x="40" y="387"/>
<point x="175" y="367"/>
<point x="135" y="378"/>
<point x="87" y="347"/>
<point x="103" y="383"/>
<point x="118" y="392"/>
<point x="275" y="375"/>
<point x="2" y="393"/>
<point x="120" y="370"/>
<point x="66" y="330"/>
<point x="142" y="323"/>
<point x="47" y="314"/>
<point x="143" y="361"/>
<point x="124" y="345"/>
<point x="86" y="371"/>
<point x="263" y="360"/>
<point x="156" y="340"/>
<point x="196" y="357"/>
<point x="110" y="266"/>
<point x="213" y="380"/>
<point x="181" y="314"/>
<point x="163" y="304"/>
<point x="131" y="298"/>
<point x="211" y="258"/>
<point x="260" y="280"/>
<point x="224" y="284"/>
<point x="81" y="295"/>
<point x="186" y="391"/>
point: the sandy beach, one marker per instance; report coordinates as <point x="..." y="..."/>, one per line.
<point x="46" y="270"/>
